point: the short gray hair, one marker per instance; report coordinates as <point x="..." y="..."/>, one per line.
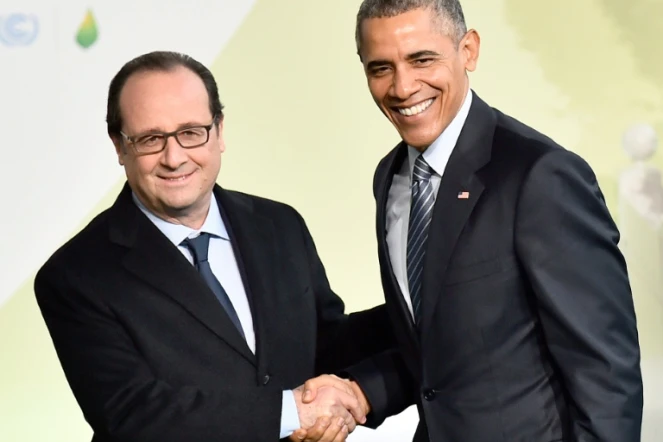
<point x="448" y="12"/>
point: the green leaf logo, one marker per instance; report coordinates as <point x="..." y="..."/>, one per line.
<point x="87" y="32"/>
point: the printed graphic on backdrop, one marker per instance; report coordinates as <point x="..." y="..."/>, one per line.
<point x="88" y="32"/>
<point x="18" y="29"/>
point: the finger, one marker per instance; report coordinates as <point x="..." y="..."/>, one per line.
<point x="311" y="389"/>
<point x="334" y="430"/>
<point x="298" y="435"/>
<point x="342" y="435"/>
<point x="312" y="385"/>
<point x="351" y="423"/>
<point x="359" y="393"/>
<point x="352" y="404"/>
<point x="318" y="429"/>
<point x="348" y="419"/>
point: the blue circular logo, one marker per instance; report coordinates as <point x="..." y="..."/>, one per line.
<point x="18" y="29"/>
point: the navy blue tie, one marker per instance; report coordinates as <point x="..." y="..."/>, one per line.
<point x="199" y="248"/>
<point x="421" y="214"/>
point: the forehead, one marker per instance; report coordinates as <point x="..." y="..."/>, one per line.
<point x="405" y="33"/>
<point x="164" y="99"/>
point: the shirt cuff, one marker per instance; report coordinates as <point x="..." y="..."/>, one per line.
<point x="289" y="414"/>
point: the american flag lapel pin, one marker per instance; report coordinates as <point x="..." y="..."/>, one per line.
<point x="463" y="195"/>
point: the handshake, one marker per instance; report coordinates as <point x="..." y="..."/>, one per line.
<point x="329" y="409"/>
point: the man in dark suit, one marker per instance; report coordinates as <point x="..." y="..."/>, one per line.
<point x="187" y="312"/>
<point x="499" y="259"/>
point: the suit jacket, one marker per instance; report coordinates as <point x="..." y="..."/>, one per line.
<point x="528" y="330"/>
<point x="151" y="355"/>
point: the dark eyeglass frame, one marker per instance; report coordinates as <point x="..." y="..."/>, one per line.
<point x="131" y="139"/>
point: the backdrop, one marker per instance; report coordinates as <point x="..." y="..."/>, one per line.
<point x="301" y="128"/>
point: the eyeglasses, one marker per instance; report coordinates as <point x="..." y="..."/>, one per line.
<point x="154" y="142"/>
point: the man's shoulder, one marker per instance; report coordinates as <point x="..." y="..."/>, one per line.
<point x="83" y="245"/>
<point x="524" y="140"/>
<point x="522" y="148"/>
<point x="262" y="205"/>
<point x="519" y="145"/>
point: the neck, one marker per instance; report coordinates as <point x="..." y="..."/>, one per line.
<point x="192" y="216"/>
<point x="193" y="220"/>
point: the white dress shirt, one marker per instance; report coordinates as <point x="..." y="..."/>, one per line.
<point x="224" y="266"/>
<point x="398" y="202"/>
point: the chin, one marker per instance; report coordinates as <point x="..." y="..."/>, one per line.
<point x="178" y="202"/>
<point x="418" y="142"/>
<point x="421" y="139"/>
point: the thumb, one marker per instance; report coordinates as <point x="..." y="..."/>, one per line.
<point x="310" y="391"/>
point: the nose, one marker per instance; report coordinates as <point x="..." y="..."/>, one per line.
<point x="404" y="84"/>
<point x="174" y="155"/>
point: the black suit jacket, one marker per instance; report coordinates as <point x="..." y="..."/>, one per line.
<point x="528" y="331"/>
<point x="151" y="355"/>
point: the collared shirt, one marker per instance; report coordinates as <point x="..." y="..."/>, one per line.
<point x="224" y="266"/>
<point x="399" y="198"/>
<point x="221" y="259"/>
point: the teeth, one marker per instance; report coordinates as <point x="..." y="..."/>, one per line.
<point x="180" y="178"/>
<point x="416" y="109"/>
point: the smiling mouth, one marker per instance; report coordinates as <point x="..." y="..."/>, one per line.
<point x="416" y="109"/>
<point x="175" y="179"/>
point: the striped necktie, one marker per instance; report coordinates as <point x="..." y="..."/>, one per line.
<point x="421" y="214"/>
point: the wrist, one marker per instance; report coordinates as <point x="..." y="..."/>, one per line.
<point x="297" y="393"/>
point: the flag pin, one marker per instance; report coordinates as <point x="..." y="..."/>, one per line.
<point x="463" y="195"/>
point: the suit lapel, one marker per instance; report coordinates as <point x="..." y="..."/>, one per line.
<point x="155" y="260"/>
<point x="450" y="213"/>
<point x="253" y="240"/>
<point x="384" y="179"/>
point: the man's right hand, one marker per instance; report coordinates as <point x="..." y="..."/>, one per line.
<point x="330" y="416"/>
<point x="312" y="386"/>
<point x="324" y="430"/>
<point x="339" y="405"/>
<point x="329" y="402"/>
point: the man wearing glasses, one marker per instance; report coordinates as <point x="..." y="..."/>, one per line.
<point x="187" y="312"/>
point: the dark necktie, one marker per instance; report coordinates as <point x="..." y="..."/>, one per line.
<point x="421" y="214"/>
<point x="199" y="247"/>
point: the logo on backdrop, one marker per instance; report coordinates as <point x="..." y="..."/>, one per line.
<point x="88" y="33"/>
<point x="18" y="29"/>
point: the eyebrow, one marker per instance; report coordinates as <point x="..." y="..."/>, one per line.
<point x="420" y="54"/>
<point x="179" y="127"/>
<point x="413" y="56"/>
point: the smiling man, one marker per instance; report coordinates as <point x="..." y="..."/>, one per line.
<point x="499" y="259"/>
<point x="188" y="312"/>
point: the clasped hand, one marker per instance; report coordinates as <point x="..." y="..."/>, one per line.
<point x="329" y="409"/>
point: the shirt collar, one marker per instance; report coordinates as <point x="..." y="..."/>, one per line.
<point x="437" y="154"/>
<point x="176" y="233"/>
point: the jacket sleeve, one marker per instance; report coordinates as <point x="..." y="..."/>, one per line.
<point x="387" y="384"/>
<point x="343" y="339"/>
<point x="568" y="245"/>
<point x="121" y="397"/>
